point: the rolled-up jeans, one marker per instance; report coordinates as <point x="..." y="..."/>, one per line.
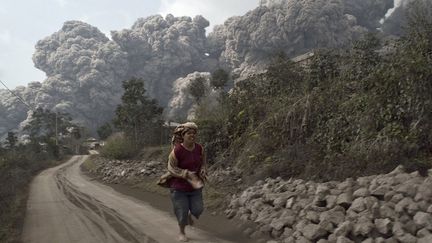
<point x="183" y="202"/>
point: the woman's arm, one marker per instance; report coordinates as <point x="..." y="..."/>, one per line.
<point x="173" y="168"/>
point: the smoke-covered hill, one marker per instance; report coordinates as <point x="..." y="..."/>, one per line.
<point x="85" y="68"/>
<point x="245" y="43"/>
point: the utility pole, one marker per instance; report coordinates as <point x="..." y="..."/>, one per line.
<point x="161" y="132"/>
<point x="56" y="136"/>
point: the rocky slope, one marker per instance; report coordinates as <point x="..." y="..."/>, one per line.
<point x="133" y="171"/>
<point x="394" y="207"/>
<point x="119" y="171"/>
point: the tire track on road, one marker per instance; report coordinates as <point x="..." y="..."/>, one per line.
<point x="64" y="206"/>
<point x="99" y="214"/>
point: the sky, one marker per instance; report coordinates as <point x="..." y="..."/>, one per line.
<point x="23" y="23"/>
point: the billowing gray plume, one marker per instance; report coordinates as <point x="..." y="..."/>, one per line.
<point x="162" y="50"/>
<point x="85" y="69"/>
<point x="245" y="43"/>
<point x="182" y="106"/>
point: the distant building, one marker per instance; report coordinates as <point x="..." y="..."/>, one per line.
<point x="90" y="139"/>
<point x="304" y="59"/>
<point x="92" y="143"/>
<point x="170" y="124"/>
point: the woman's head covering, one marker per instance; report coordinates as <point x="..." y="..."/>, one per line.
<point x="189" y="125"/>
<point x="180" y="130"/>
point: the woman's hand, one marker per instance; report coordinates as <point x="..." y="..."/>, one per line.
<point x="194" y="180"/>
<point x="190" y="174"/>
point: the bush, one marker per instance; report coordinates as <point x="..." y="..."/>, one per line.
<point x="352" y="112"/>
<point x="17" y="167"/>
<point x="118" y="147"/>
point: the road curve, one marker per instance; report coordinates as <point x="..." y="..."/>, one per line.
<point x="64" y="207"/>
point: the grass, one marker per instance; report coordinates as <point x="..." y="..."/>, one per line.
<point x="13" y="209"/>
<point x="158" y="153"/>
<point x="89" y="164"/>
<point x="13" y="218"/>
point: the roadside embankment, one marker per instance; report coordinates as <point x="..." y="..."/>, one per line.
<point x="16" y="172"/>
<point x="394" y="207"/>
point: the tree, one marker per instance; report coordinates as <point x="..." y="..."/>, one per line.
<point x="11" y="140"/>
<point x="138" y="116"/>
<point x="197" y="88"/>
<point x="283" y="76"/>
<point x="74" y="140"/>
<point x="219" y="78"/>
<point x="46" y="129"/>
<point x="46" y="124"/>
<point x="105" y="131"/>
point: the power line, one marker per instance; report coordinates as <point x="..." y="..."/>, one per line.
<point x="30" y="108"/>
<point x="19" y="98"/>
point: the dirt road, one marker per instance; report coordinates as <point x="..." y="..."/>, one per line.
<point x="65" y="207"/>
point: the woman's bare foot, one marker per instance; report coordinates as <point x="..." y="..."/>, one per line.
<point x="182" y="238"/>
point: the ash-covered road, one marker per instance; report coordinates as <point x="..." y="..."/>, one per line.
<point x="64" y="206"/>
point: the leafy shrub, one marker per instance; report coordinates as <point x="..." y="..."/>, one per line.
<point x="118" y="147"/>
<point x="17" y="167"/>
<point x="352" y="112"/>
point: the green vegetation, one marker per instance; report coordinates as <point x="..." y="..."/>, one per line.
<point x="17" y="167"/>
<point x="47" y="130"/>
<point x="11" y="140"/>
<point x="219" y="78"/>
<point x="105" y="131"/>
<point x="197" y="89"/>
<point x="156" y="153"/>
<point x="118" y="147"/>
<point x="19" y="162"/>
<point x="138" y="123"/>
<point x="138" y="116"/>
<point x="350" y="112"/>
<point x="89" y="164"/>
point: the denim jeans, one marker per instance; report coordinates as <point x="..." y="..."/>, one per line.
<point x="183" y="202"/>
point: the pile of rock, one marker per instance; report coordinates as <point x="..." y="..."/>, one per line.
<point x="227" y="174"/>
<point x="394" y="207"/>
<point x="115" y="171"/>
